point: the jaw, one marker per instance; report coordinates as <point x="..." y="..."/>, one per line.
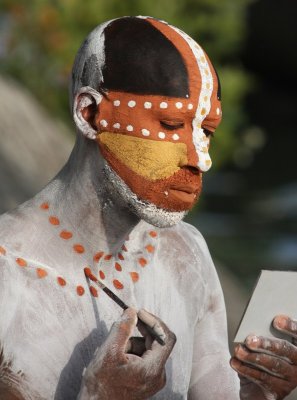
<point x="145" y="210"/>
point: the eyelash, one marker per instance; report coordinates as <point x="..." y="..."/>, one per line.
<point x="172" y="126"/>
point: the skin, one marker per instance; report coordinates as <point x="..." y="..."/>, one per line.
<point x="268" y="367"/>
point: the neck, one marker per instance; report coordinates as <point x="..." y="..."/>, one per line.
<point x="83" y="198"/>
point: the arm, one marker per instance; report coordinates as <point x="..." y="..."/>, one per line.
<point x="212" y="377"/>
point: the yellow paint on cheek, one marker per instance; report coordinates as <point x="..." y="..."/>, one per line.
<point x="149" y="158"/>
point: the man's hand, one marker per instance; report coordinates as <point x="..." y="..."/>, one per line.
<point x="268" y="367"/>
<point x="128" y="368"/>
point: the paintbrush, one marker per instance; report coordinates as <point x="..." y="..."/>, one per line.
<point x="116" y="299"/>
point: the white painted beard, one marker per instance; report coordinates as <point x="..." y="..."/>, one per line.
<point x="150" y="213"/>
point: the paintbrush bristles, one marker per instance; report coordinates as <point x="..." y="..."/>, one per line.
<point x="89" y="274"/>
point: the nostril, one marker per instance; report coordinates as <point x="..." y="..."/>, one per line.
<point x="194" y="170"/>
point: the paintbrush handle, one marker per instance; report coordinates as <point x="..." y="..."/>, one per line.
<point x="115" y="298"/>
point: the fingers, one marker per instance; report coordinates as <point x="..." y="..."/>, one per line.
<point x="286" y="324"/>
<point x="273" y="365"/>
<point x="276" y="347"/>
<point x="136" y="346"/>
<point x="121" y="331"/>
<point x="260" y="377"/>
<point x="153" y="323"/>
<point x="158" y="354"/>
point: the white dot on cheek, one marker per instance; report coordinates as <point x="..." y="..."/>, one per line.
<point x="161" y="135"/>
<point x="175" y="136"/>
<point x="117" y="103"/>
<point x="190" y="106"/>
<point x="117" y="125"/>
<point x="145" y="132"/>
<point x="130" y="128"/>
<point x="218" y="111"/>
<point x="178" y="105"/>
<point x="132" y="103"/>
<point x="103" y="123"/>
<point x="163" y="104"/>
<point x="147" y="105"/>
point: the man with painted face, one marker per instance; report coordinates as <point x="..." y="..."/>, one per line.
<point x="145" y="100"/>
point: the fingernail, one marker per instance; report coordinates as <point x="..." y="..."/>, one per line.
<point x="280" y="321"/>
<point x="240" y="350"/>
<point x="234" y="363"/>
<point x="252" y="340"/>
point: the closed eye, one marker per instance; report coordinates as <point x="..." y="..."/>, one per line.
<point x="172" y="125"/>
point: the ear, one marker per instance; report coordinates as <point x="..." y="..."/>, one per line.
<point x="85" y="107"/>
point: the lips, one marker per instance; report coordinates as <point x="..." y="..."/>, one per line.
<point x="185" y="193"/>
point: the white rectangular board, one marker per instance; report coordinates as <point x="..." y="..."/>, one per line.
<point x="275" y="293"/>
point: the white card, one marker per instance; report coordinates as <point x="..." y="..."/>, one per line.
<point x="275" y="293"/>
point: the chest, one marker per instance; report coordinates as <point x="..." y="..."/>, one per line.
<point x="55" y="322"/>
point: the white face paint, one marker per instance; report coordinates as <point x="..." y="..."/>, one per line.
<point x="200" y="140"/>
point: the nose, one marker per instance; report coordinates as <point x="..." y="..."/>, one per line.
<point x="201" y="145"/>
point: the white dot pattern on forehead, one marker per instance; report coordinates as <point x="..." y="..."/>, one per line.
<point x="104" y="123"/>
<point x="117" y="103"/>
<point x="147" y="105"/>
<point x="190" y="106"/>
<point x="145" y="132"/>
<point x="163" y="104"/>
<point x="175" y="136"/>
<point x="130" y="128"/>
<point x="132" y="103"/>
<point x="117" y="125"/>
<point x="161" y="135"/>
<point x="179" y="105"/>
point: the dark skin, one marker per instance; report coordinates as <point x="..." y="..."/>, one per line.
<point x="271" y="364"/>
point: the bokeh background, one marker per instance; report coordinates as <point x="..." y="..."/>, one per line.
<point x="248" y="211"/>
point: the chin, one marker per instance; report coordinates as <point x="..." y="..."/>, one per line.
<point x="145" y="210"/>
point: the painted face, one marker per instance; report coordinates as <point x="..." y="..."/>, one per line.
<point x="159" y="145"/>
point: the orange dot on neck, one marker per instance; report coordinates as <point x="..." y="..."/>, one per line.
<point x="118" y="266"/>
<point x="41" y="273"/>
<point x="117" y="284"/>
<point x="98" y="256"/>
<point x="142" y="261"/>
<point x="150" y="248"/>
<point x="108" y="257"/>
<point x="2" y="251"/>
<point x="44" y="206"/>
<point x="80" y="290"/>
<point x="79" y="248"/>
<point x="21" y="262"/>
<point x="134" y="276"/>
<point x="61" y="281"/>
<point x="153" y="234"/>
<point x="54" y="220"/>
<point x="66" y="234"/>
<point x="94" y="291"/>
<point x="101" y="274"/>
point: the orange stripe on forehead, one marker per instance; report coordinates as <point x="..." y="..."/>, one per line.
<point x="183" y="47"/>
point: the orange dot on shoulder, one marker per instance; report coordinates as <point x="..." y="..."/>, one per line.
<point x="153" y="234"/>
<point x="134" y="276"/>
<point x="117" y="284"/>
<point x="108" y="257"/>
<point x="54" y="220"/>
<point x="41" y="273"/>
<point x="150" y="248"/>
<point x="44" y="206"/>
<point x="121" y="257"/>
<point x="80" y="290"/>
<point x="118" y="266"/>
<point x="101" y="274"/>
<point x="142" y="261"/>
<point x="94" y="291"/>
<point x="61" y="281"/>
<point x="66" y="234"/>
<point x="98" y="256"/>
<point x="21" y="262"/>
<point x="2" y="251"/>
<point x="79" y="248"/>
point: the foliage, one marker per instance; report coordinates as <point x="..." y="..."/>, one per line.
<point x="40" y="39"/>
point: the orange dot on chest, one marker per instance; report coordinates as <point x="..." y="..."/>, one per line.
<point x="41" y="273"/>
<point x="80" y="290"/>
<point x="78" y="248"/>
<point x="134" y="276"/>
<point x="142" y="261"/>
<point x="93" y="291"/>
<point x="98" y="256"/>
<point x="117" y="284"/>
<point x="61" y="281"/>
<point x="2" y="251"/>
<point x="66" y="234"/>
<point x="54" y="220"/>
<point x="21" y="262"/>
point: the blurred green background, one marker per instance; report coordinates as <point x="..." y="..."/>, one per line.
<point x="248" y="211"/>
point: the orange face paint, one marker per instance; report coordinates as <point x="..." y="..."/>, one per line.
<point x="80" y="290"/>
<point x="134" y="276"/>
<point x="61" y="281"/>
<point x="94" y="291"/>
<point x="2" y="251"/>
<point x="150" y="248"/>
<point x="44" y="206"/>
<point x="98" y="256"/>
<point x="118" y="266"/>
<point x="54" y="220"/>
<point x="41" y="273"/>
<point x="78" y="248"/>
<point x="66" y="235"/>
<point x="21" y="262"/>
<point x="117" y="284"/>
<point x="142" y="261"/>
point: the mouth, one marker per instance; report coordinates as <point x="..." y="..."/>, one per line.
<point x="185" y="193"/>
